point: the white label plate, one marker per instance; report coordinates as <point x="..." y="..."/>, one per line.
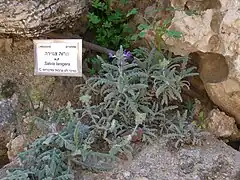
<point x="58" y="57"/>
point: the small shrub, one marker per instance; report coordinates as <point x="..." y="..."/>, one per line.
<point x="182" y="131"/>
<point x="138" y="93"/>
<point x="110" y="25"/>
<point x="52" y="156"/>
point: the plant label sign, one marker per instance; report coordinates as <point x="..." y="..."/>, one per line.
<point x="58" y="57"/>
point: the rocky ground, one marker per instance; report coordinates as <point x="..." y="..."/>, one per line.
<point x="214" y="160"/>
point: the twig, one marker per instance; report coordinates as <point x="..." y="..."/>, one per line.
<point x="86" y="44"/>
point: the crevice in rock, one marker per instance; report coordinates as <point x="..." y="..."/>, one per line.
<point x="203" y="5"/>
<point x="234" y="144"/>
<point x="216" y="21"/>
<point x="3" y="154"/>
<point x="212" y="67"/>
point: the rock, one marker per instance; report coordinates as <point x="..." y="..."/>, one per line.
<point x="3" y="154"/>
<point x="141" y="178"/>
<point x="196" y="32"/>
<point x="14" y="164"/>
<point x="199" y="5"/>
<point x="15" y="146"/>
<point x="213" y="36"/>
<point x="226" y="95"/>
<point x="213" y="67"/>
<point x="126" y="174"/>
<point x="179" y="3"/>
<point x="213" y="160"/>
<point x="7" y="108"/>
<point x="5" y="45"/>
<point x="33" y="18"/>
<point x="222" y="125"/>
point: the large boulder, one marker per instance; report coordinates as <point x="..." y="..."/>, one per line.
<point x="213" y="38"/>
<point x="31" y="18"/>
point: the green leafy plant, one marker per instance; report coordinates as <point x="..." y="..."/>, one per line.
<point x="182" y="131"/>
<point x="52" y="156"/>
<point x="189" y="105"/>
<point x="110" y="25"/>
<point x="137" y="93"/>
<point x="200" y="122"/>
<point x="158" y="29"/>
<point x="95" y="65"/>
